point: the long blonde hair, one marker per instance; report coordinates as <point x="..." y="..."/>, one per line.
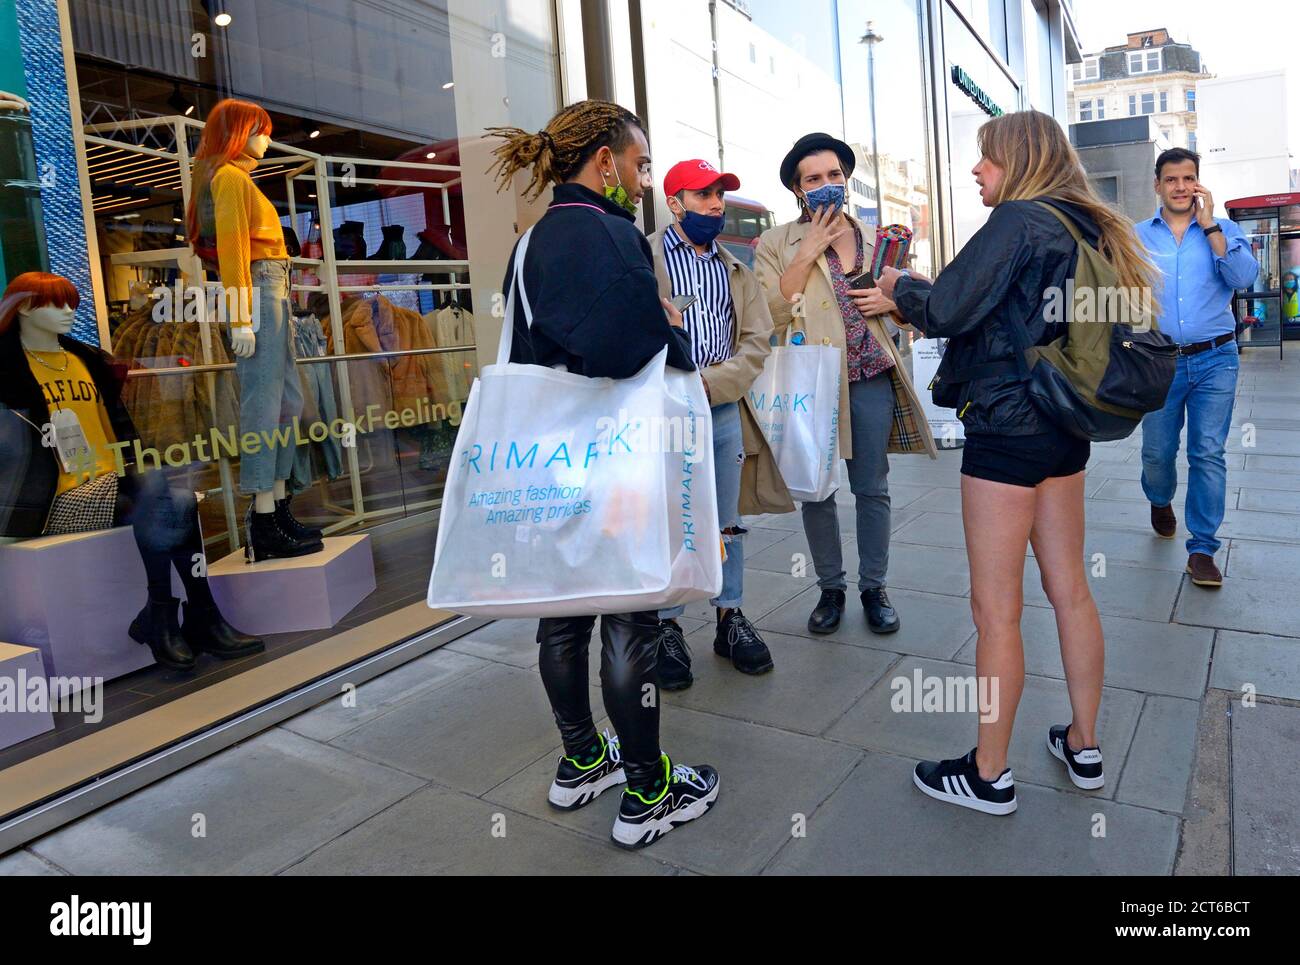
<point x="1037" y="161"/>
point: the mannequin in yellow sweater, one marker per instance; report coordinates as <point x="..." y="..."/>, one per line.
<point x="230" y="213"/>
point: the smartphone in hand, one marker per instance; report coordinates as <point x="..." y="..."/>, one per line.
<point x="683" y="302"/>
<point x="864" y="280"/>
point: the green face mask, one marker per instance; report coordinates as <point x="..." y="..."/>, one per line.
<point x="618" y="194"/>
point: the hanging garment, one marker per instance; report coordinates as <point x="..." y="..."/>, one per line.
<point x="368" y="379"/>
<point x="453" y="327"/>
<point x="416" y="377"/>
<point x="319" y="404"/>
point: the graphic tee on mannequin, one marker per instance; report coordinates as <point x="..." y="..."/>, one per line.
<point x="68" y="387"/>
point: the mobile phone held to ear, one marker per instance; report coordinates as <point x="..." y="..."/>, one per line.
<point x="682" y="302"/>
<point x="864" y="280"/>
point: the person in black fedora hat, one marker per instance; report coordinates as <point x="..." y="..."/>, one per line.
<point x="804" y="268"/>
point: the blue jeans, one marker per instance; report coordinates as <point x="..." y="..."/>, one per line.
<point x="1204" y="385"/>
<point x="728" y="457"/>
<point x="270" y="394"/>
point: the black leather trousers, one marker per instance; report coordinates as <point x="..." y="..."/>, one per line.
<point x="628" y="681"/>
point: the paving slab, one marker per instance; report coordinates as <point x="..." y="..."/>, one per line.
<point x="1267" y="664"/>
<point x="1159" y="764"/>
<point x="933" y="529"/>
<point x="24" y="864"/>
<point x="374" y="698"/>
<point x="877" y="822"/>
<point x="443" y="832"/>
<point x="260" y="806"/>
<point x="1119" y="590"/>
<point x="767" y="777"/>
<point x="1265" y="822"/>
<point x="1141" y="655"/>
<point x="448" y="736"/>
<point x="873" y="724"/>
<point x="931" y="624"/>
<point x="813" y="682"/>
<point x="1251" y="605"/>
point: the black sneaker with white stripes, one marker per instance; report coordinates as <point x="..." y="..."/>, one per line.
<point x="577" y="784"/>
<point x="1084" y="766"/>
<point x="687" y="794"/>
<point x="958" y="781"/>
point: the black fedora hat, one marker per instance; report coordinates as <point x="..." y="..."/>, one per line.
<point x="811" y="144"/>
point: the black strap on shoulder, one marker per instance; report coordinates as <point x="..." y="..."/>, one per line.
<point x="984" y="370"/>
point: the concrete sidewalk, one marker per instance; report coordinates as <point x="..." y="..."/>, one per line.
<point x="443" y="764"/>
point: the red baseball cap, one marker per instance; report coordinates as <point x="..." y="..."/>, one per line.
<point x="695" y="174"/>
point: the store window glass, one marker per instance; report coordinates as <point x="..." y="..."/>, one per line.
<point x="963" y="51"/>
<point x="383" y="240"/>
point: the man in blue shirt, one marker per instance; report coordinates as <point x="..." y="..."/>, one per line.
<point x="1202" y="259"/>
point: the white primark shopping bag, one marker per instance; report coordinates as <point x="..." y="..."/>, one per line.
<point x="570" y="495"/>
<point x="797" y="400"/>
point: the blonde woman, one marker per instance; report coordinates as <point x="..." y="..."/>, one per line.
<point x="1022" y="477"/>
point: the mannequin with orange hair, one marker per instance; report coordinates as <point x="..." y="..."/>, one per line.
<point x="236" y="231"/>
<point x="53" y="387"/>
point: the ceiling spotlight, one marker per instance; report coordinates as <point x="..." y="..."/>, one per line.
<point x="315" y="132"/>
<point x="449" y="85"/>
<point x="222" y="20"/>
<point x="431" y="155"/>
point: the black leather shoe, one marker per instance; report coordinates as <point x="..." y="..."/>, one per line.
<point x="266" y="539"/>
<point x="826" y="617"/>
<point x="674" y="658"/>
<point x="290" y="525"/>
<point x="737" y="640"/>
<point x="881" y="615"/>
<point x="207" y="631"/>
<point x="157" y="628"/>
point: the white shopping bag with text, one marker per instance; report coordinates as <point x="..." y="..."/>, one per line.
<point x="569" y="495"/>
<point x="797" y="401"/>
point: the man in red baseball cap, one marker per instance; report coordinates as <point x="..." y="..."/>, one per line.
<point x="729" y="326"/>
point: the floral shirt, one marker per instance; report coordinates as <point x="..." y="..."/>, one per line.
<point x="866" y="356"/>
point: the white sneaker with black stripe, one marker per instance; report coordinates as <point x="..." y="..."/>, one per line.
<point x="1084" y="766"/>
<point x="958" y="781"/>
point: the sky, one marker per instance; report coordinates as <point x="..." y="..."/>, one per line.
<point x="1240" y="37"/>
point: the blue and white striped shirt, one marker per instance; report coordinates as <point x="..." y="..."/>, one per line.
<point x="710" y="321"/>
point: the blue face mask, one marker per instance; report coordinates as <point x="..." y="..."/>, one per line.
<point x="701" y="228"/>
<point x="827" y="194"/>
<point x="1289" y="286"/>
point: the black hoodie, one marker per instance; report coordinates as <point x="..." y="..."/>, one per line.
<point x="1001" y="277"/>
<point x="589" y="276"/>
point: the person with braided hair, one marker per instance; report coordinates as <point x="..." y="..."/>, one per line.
<point x="588" y="277"/>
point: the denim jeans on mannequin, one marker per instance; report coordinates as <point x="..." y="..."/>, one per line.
<point x="728" y="458"/>
<point x="871" y="413"/>
<point x="1203" y="392"/>
<point x="270" y="393"/>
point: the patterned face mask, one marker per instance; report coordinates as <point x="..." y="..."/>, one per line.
<point x="618" y="194"/>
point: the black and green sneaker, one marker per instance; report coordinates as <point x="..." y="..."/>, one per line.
<point x="687" y="794"/>
<point x="578" y="783"/>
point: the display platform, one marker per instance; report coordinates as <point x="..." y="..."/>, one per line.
<point x="304" y="593"/>
<point x="20" y="715"/>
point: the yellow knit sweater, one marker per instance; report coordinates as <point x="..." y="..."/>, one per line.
<point x="248" y="229"/>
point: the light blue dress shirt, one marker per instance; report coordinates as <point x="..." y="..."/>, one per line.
<point x="1196" y="298"/>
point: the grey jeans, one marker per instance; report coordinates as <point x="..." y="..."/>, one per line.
<point x="871" y="410"/>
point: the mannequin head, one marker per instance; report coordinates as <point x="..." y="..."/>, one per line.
<point x="41" y="305"/>
<point x="234" y="128"/>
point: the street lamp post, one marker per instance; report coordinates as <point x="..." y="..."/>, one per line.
<point x="871" y="38"/>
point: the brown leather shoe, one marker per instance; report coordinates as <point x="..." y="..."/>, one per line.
<point x="1203" y="570"/>
<point x="1164" y="522"/>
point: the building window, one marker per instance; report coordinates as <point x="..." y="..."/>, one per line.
<point x="1085" y="110"/>
<point x="1149" y="102"/>
<point x="1191" y="99"/>
<point x="1101" y="108"/>
<point x="753" y="54"/>
<point x="1132" y="105"/>
<point x="1191" y="141"/>
<point x="1107" y="188"/>
<point x="1144" y="61"/>
<point x="1164" y="101"/>
<point x="1091" y="68"/>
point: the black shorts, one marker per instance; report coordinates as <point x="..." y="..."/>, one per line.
<point x="1023" y="460"/>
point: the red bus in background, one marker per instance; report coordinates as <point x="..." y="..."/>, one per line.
<point x="745" y="221"/>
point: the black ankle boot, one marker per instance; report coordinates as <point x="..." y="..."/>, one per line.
<point x="207" y="631"/>
<point x="156" y="627"/>
<point x="266" y="539"/>
<point x="291" y="525"/>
